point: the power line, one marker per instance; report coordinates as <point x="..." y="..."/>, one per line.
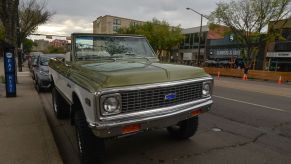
<point x="49" y="36"/>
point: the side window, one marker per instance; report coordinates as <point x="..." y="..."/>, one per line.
<point x="35" y="61"/>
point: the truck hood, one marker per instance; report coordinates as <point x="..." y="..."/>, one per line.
<point x="127" y="73"/>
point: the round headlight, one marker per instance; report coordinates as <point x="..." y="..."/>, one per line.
<point x="206" y="89"/>
<point x="111" y="104"/>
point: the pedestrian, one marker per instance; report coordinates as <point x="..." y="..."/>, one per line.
<point x="246" y="70"/>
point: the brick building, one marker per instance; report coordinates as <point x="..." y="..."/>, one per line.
<point x="59" y="43"/>
<point x="111" y="24"/>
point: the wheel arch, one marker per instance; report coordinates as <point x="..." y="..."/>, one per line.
<point x="76" y="105"/>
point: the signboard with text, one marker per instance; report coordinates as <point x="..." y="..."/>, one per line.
<point x="9" y="66"/>
<point x="279" y="54"/>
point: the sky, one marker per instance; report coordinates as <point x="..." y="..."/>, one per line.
<point x="77" y="15"/>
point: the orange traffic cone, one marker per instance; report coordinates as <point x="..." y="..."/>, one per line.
<point x="218" y="75"/>
<point x="245" y="77"/>
<point x="280" y="80"/>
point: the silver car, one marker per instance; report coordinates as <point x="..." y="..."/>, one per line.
<point x="40" y="71"/>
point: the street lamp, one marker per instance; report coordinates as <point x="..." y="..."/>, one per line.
<point x="200" y="32"/>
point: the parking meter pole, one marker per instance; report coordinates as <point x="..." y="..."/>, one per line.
<point x="9" y="69"/>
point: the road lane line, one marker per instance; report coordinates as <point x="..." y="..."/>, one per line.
<point x="258" y="105"/>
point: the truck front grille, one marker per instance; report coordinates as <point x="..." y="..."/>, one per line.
<point x="153" y="98"/>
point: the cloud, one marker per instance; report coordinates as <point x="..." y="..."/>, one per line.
<point x="65" y="25"/>
<point x="77" y="16"/>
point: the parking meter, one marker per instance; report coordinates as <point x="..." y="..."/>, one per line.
<point x="9" y="69"/>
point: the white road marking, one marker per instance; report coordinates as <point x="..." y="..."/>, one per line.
<point x="249" y="103"/>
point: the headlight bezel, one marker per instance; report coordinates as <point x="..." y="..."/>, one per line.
<point x="103" y="99"/>
<point x="207" y="88"/>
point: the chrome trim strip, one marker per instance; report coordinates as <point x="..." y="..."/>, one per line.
<point x="154" y="85"/>
<point x="100" y="118"/>
<point x="172" y="111"/>
<point x="154" y="112"/>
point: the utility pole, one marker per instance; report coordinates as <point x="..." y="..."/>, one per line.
<point x="200" y="32"/>
<point x="19" y="50"/>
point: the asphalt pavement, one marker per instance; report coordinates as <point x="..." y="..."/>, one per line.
<point x="250" y="122"/>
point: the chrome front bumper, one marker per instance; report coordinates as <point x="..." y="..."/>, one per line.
<point x="150" y="119"/>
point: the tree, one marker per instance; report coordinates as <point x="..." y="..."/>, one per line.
<point x="8" y="17"/>
<point x="159" y="33"/>
<point x="27" y="45"/>
<point x="31" y="15"/>
<point x="56" y="50"/>
<point x="247" y="18"/>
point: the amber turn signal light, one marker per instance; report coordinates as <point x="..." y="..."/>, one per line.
<point x="196" y="112"/>
<point x="131" y="128"/>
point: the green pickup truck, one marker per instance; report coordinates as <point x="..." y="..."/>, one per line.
<point x="112" y="86"/>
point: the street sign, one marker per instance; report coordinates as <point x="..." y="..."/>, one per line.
<point x="9" y="66"/>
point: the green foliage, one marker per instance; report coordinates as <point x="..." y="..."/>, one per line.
<point x="27" y="45"/>
<point x="247" y="18"/>
<point x="56" y="50"/>
<point x="8" y="17"/>
<point x="159" y="33"/>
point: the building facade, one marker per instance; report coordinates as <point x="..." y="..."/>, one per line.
<point x="58" y="43"/>
<point x="278" y="56"/>
<point x="218" y="47"/>
<point x="40" y="45"/>
<point x="111" y="24"/>
<point x="189" y="47"/>
<point x="215" y="45"/>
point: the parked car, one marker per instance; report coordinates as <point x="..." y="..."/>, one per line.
<point x="31" y="61"/>
<point x="40" y="70"/>
<point x="114" y="85"/>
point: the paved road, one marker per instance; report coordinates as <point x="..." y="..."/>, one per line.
<point x="243" y="127"/>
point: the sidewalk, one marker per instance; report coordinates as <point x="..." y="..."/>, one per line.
<point x="25" y="136"/>
<point x="269" y="88"/>
<point x="1" y="69"/>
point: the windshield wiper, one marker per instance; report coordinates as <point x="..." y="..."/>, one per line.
<point x="140" y="57"/>
<point x="97" y="58"/>
<point x="129" y="54"/>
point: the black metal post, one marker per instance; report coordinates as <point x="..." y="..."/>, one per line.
<point x="200" y="32"/>
<point x="199" y="41"/>
<point x="19" y="51"/>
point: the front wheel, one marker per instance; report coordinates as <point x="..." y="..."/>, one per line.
<point x="91" y="149"/>
<point x="184" y="129"/>
<point x="37" y="86"/>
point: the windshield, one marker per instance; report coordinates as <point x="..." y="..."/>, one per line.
<point x="44" y="61"/>
<point x="111" y="47"/>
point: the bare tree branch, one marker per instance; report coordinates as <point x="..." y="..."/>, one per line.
<point x="31" y="15"/>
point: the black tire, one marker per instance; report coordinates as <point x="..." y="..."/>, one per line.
<point x="60" y="106"/>
<point x="37" y="87"/>
<point x="184" y="129"/>
<point x="91" y="149"/>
